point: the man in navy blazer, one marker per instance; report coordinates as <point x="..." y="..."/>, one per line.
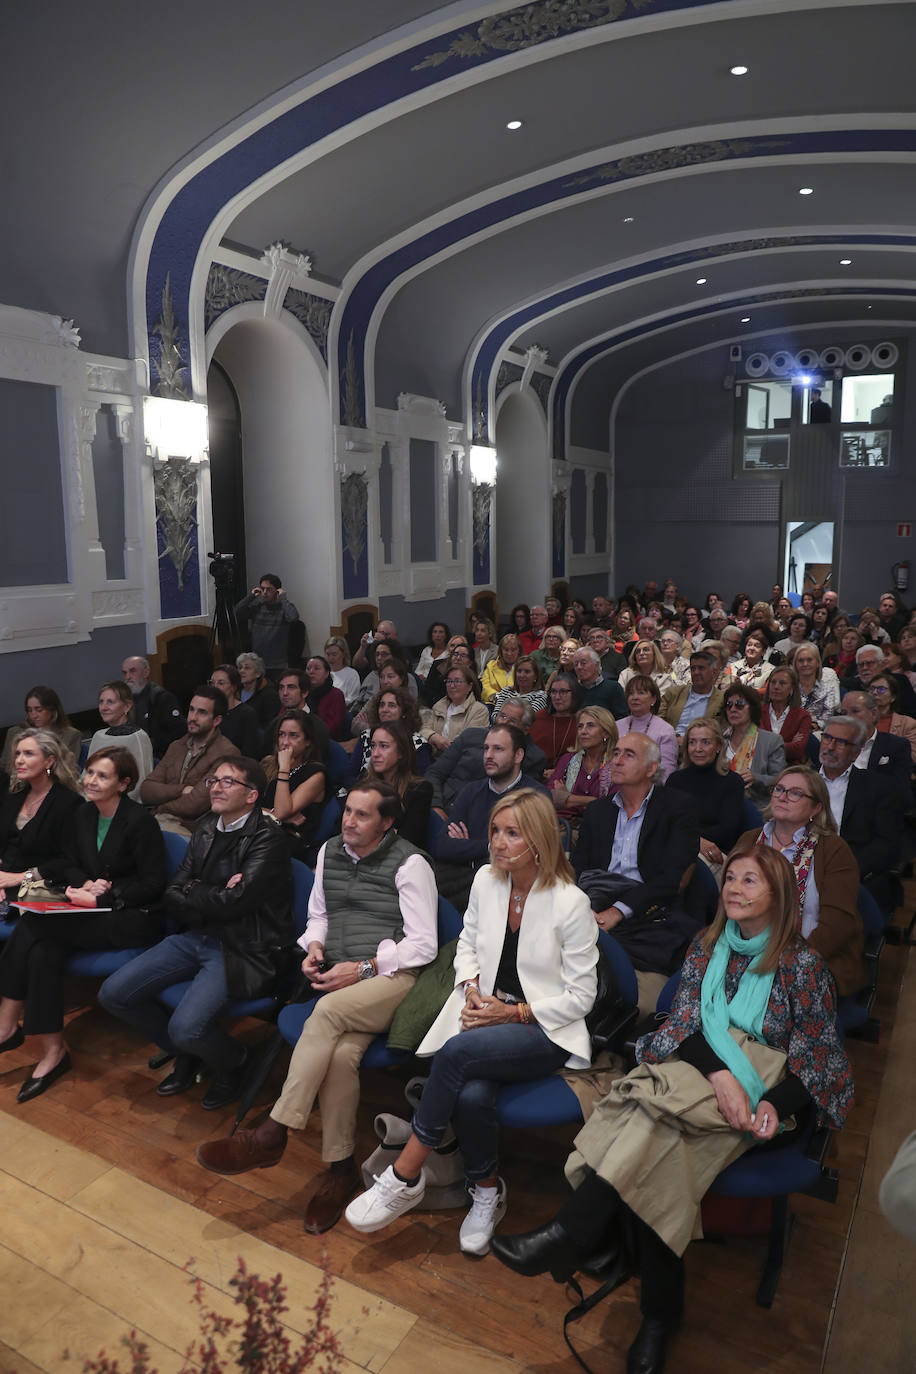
<point x="669" y="834"/>
<point x="870" y="817"/>
<point x="882" y="753"/>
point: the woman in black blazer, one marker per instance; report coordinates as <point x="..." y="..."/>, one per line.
<point x="113" y="864"/>
<point x="35" y="814"/>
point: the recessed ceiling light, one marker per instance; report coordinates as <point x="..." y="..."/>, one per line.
<point x="628" y="219"/>
<point x="701" y="281"/>
<point x="514" y="124"/>
<point x="739" y="71"/>
<point x="868" y="307"/>
<point x="845" y="262"/>
<point x="806" y="190"/>
<point x="745" y="319"/>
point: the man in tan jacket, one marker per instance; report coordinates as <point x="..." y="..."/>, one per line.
<point x="177" y="788"/>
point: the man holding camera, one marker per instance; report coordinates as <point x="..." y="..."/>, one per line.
<point x="271" y="613"/>
<point x="371" y="928"/>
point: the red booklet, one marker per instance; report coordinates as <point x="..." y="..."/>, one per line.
<point x="53" y="907"/>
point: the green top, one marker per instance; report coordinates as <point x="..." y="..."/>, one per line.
<point x="104" y="826"/>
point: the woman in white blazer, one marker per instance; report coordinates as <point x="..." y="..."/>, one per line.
<point x="524" y="981"/>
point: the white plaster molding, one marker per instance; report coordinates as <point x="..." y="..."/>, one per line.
<point x="124" y="606"/>
<point x="40" y="618"/>
<point x="420" y="405"/>
<point x="286" y="269"/>
<point x="67" y="331"/>
<point x="257" y="267"/>
<point x="535" y="358"/>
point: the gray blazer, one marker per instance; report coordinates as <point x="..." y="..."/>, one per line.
<point x="768" y="762"/>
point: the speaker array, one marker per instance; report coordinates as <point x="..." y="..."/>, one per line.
<point x="857" y="358"/>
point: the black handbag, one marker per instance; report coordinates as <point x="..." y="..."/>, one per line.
<point x="612" y="1013"/>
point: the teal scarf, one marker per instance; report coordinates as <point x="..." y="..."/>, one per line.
<point x="746" y="1010"/>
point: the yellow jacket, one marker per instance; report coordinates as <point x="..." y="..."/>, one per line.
<point x="494" y="678"/>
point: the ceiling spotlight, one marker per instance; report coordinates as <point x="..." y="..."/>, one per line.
<point x="514" y="124"/>
<point x="806" y="190"/>
<point x="739" y="71"/>
<point x="628" y="219"/>
<point x="845" y="262"/>
<point x="701" y="281"/>
<point x="745" y="319"/>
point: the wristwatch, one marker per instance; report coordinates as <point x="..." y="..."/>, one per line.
<point x="365" y="970"/>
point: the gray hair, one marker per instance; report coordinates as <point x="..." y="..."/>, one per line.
<point x="513" y="699"/>
<point x="255" y="659"/>
<point x="858" y="725"/>
<point x="868" y="649"/>
<point x="869" y="702"/>
<point x="674" y="634"/>
<point x="581" y="652"/>
<point x="648" y="621"/>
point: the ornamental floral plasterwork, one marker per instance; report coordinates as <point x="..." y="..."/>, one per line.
<point x="559" y="521"/>
<point x="169" y="368"/>
<point x="507" y="374"/>
<point x="67" y="331"/>
<point x="479" y="424"/>
<point x="673" y="158"/>
<point x="175" y="485"/>
<point x="540" y="384"/>
<point x="530" y="25"/>
<point x="481" y="497"/>
<point x="226" y="286"/>
<point x="315" y="313"/>
<point x="352" y="405"/>
<point x="354" y="506"/>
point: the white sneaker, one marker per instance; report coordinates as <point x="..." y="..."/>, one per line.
<point x="387" y="1199"/>
<point x="488" y="1207"/>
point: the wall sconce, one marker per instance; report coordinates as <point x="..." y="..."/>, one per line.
<point x="175" y="429"/>
<point x="483" y="465"/>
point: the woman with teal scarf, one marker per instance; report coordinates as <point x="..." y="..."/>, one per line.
<point x="751" y="1042"/>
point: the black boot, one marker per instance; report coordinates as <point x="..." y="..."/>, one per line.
<point x="548" y="1249"/>
<point x="647" y="1353"/>
<point x="182" y="1077"/>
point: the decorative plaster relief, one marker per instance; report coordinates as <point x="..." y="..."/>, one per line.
<point x="169" y="367"/>
<point x="481" y="497"/>
<point x="541" y="383"/>
<point x="529" y="25"/>
<point x="419" y="405"/>
<point x="175" y="485"/>
<point x="99" y="378"/>
<point x="507" y="374"/>
<point x="315" y="313"/>
<point x="123" y="604"/>
<point x="226" y="287"/>
<point x="353" y="415"/>
<point x="354" y="505"/>
<point x="67" y="331"/>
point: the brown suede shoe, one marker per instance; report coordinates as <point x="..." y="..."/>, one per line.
<point x="238" y="1153"/>
<point x="331" y="1197"/>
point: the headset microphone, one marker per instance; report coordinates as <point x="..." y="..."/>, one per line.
<point x="517" y="858"/>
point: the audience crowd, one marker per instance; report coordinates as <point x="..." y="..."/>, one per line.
<point x="578" y="769"/>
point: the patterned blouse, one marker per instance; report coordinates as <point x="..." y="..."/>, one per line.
<point x="800" y="1019"/>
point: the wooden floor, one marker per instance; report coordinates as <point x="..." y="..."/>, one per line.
<point x="103" y="1203"/>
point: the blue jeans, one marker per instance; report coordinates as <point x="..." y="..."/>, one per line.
<point x="464" y="1083"/>
<point x="131" y="995"/>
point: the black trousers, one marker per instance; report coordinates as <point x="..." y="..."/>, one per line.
<point x="34" y="959"/>
<point x="596" y="1214"/>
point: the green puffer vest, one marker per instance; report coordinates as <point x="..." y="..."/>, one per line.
<point x="362" y="898"/>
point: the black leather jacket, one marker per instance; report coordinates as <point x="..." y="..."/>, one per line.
<point x="254" y="919"/>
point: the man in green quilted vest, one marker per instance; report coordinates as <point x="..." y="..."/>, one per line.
<point x="371" y="928"/>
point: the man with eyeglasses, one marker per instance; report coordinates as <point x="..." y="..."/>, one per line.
<point x="882" y="753"/>
<point x="462" y="761"/>
<point x="232" y="898"/>
<point x="865" y="808"/>
<point x="612" y="661"/>
<point x="869" y="663"/>
<point x="176" y="788"/>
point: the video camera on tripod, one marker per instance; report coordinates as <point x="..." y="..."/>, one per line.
<point x="222" y="570"/>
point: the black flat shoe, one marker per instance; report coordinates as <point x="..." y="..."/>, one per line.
<point x="182" y="1077"/>
<point x="225" y="1087"/>
<point x="549" y="1249"/>
<point x="34" y="1087"/>
<point x="647" y="1353"/>
<point x="12" y="1042"/>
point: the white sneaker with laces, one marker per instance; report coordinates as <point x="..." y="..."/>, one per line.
<point x="387" y="1199"/>
<point x="488" y="1207"/>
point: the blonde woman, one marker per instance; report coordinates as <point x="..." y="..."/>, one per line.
<point x="647" y="660"/>
<point x="583" y="775"/>
<point x="499" y="672"/>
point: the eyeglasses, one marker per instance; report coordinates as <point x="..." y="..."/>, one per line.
<point x="212" y="782"/>
<point x="561" y="691"/>
<point x="455" y="682"/>
<point x="880" y="691"/>
<point x="736" y="705"/>
<point x="790" y="793"/>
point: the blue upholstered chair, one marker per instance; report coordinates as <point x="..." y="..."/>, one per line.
<point x="330" y="815"/>
<point x="378" y="1056"/>
<point x="854" y="1012"/>
<point x="339" y="764"/>
<point x="550" y="1101"/>
<point x="753" y="816"/>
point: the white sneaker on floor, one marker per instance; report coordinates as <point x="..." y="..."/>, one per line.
<point x="387" y="1199"/>
<point x="488" y="1207"/>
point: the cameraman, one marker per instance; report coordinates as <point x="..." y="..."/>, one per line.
<point x="271" y="614"/>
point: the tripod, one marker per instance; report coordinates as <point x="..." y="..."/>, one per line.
<point x="224" y="625"/>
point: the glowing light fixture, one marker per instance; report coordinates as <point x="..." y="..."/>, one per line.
<point x="514" y="124"/>
<point x="628" y="219"/>
<point x="701" y="281"/>
<point x="806" y="190"/>
<point x="175" y="429"/>
<point x="845" y="262"/>
<point x="739" y="71"/>
<point x="483" y="464"/>
<point x="745" y="319"/>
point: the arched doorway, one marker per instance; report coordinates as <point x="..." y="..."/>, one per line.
<point x="286" y="468"/>
<point x="522" y="502"/>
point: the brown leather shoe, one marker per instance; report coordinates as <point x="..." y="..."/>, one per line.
<point x="329" y="1200"/>
<point x="238" y="1153"/>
